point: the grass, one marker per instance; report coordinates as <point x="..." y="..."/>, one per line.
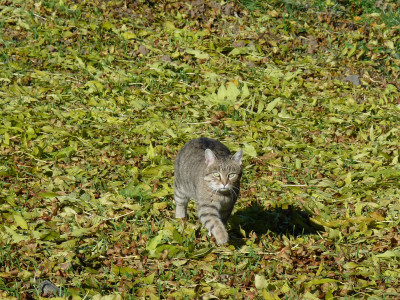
<point x="97" y="99"/>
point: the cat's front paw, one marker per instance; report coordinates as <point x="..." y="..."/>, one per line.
<point x="221" y="237"/>
<point x="180" y="212"/>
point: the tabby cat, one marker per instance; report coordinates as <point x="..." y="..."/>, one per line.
<point x="206" y="171"/>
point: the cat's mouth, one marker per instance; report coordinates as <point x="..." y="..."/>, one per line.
<point x="224" y="190"/>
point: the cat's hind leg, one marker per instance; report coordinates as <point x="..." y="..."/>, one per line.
<point x="181" y="201"/>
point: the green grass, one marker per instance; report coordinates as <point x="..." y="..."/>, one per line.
<point x="91" y="122"/>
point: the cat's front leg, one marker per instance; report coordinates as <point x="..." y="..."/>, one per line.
<point x="220" y="234"/>
<point x="210" y="218"/>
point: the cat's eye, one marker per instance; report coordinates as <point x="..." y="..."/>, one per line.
<point x="232" y="175"/>
<point x="216" y="174"/>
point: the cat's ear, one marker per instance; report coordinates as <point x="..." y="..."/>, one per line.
<point x="210" y="157"/>
<point x="237" y="157"/>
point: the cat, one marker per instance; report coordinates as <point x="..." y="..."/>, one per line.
<point x="206" y="171"/>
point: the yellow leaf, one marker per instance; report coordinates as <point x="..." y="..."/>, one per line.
<point x="377" y="216"/>
<point x="273" y="13"/>
<point x="260" y="282"/>
<point x="390" y="45"/>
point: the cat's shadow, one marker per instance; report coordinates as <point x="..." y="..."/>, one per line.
<point x="277" y="221"/>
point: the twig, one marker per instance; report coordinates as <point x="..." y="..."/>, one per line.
<point x="43" y="161"/>
<point x="198" y="123"/>
<point x="40" y="17"/>
<point x="117" y="217"/>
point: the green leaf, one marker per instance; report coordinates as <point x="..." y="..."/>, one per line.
<point x="249" y="150"/>
<point x="347" y="180"/>
<point x="154" y="242"/>
<point x="149" y="279"/>
<point x="350" y="265"/>
<point x="94" y="86"/>
<point x="150" y="152"/>
<point x="298" y="164"/>
<point x="124" y="270"/>
<point x="48" y="195"/>
<point x="6" y="140"/>
<point x="245" y="91"/>
<point x="242" y="232"/>
<point x="272" y="104"/>
<point x="177" y="237"/>
<point x="159" y="206"/>
<point x="319" y="281"/>
<point x="20" y="221"/>
<point x="352" y="50"/>
<point x="106" y="25"/>
<point x="371" y="133"/>
<point x="50" y="236"/>
<point x="16" y="237"/>
<point x="239" y="51"/>
<point x="79" y="232"/>
<point x="389" y="254"/>
<point x="267" y="295"/>
<point x="232" y="91"/>
<point x="222" y="93"/>
<point x="128" y="35"/>
<point x="198" y="54"/>
<point x="200" y="253"/>
<point x="172" y="251"/>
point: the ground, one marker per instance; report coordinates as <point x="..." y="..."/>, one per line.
<point x="97" y="97"/>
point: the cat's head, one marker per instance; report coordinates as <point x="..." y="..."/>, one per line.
<point x="223" y="174"/>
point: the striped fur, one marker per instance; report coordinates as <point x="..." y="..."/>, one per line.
<point x="206" y="171"/>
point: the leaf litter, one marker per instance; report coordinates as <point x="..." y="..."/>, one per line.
<point x="97" y="98"/>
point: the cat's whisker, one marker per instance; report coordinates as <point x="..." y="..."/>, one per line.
<point x="233" y="193"/>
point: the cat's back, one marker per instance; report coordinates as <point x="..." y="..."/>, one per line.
<point x="196" y="148"/>
<point x="191" y="157"/>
